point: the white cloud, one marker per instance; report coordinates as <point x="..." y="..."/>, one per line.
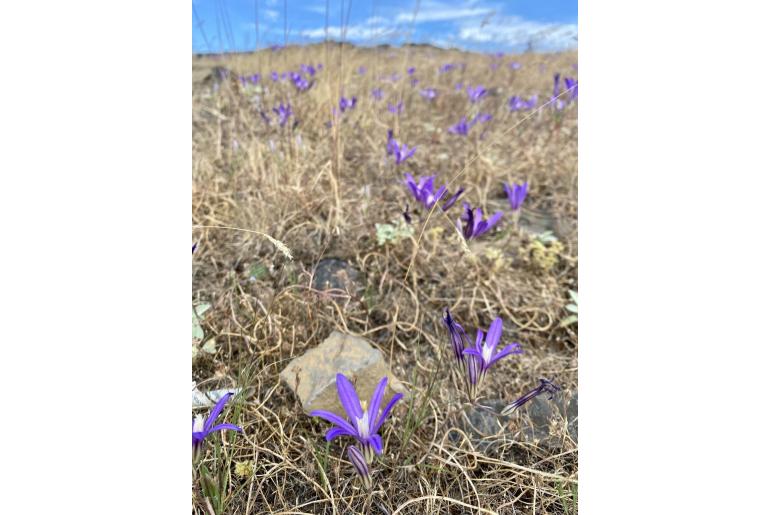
<point x="271" y="14"/>
<point x="372" y="28"/>
<point x="432" y="10"/>
<point x="517" y="32"/>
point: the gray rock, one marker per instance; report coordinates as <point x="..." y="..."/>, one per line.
<point x="572" y="417"/>
<point x="335" y="274"/>
<point x="537" y="222"/>
<point x="312" y="376"/>
<point x="483" y="425"/>
<point x="544" y="420"/>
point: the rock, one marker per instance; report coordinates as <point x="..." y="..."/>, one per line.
<point x="312" y="376"/>
<point x="537" y="222"/>
<point x="546" y="420"/>
<point x="335" y="274"/>
<point x="485" y="427"/>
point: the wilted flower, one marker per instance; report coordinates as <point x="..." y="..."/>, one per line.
<point x="457" y="337"/>
<point x="546" y="386"/>
<point x="516" y="194"/>
<point x="201" y="429"/>
<point x="347" y="103"/>
<point x="475" y="94"/>
<point x="361" y="425"/>
<point x="483" y="356"/>
<point x="474" y="222"/>
<point x="359" y="463"/>
<point x="400" y="152"/>
<point x="516" y="103"/>
<point x="377" y="93"/>
<point x="423" y="192"/>
<point x="283" y="112"/>
<point x="428" y="93"/>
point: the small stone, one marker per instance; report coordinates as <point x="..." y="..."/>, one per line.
<point x="312" y="376"/>
<point x="572" y="417"/>
<point x="335" y="274"/>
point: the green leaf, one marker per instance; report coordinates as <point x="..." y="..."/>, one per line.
<point x="574" y="296"/>
<point x="572" y="319"/>
<point x="571" y="307"/>
<point x="210" y="346"/>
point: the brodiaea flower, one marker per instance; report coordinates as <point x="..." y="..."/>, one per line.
<point x="377" y="93"/>
<point x="428" y="93"/>
<point x="546" y="386"/>
<point x="347" y="103"/>
<point x="283" y="112"/>
<point x="475" y="94"/>
<point x="572" y="87"/>
<point x="201" y="429"/>
<point x="423" y="192"/>
<point x="396" y="109"/>
<point x="361" y="425"/>
<point x="400" y="152"/>
<point x="516" y="103"/>
<point x="361" y="70"/>
<point x="461" y="128"/>
<point x="516" y="194"/>
<point x="484" y="355"/>
<point x="474" y="222"/>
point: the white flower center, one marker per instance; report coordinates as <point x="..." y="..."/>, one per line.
<point x="362" y="424"/>
<point x="486" y="352"/>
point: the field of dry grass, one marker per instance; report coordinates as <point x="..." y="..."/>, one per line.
<point x="320" y="188"/>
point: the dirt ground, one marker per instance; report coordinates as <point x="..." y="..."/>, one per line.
<point x="319" y="184"/>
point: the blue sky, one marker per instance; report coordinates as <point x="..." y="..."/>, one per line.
<point x="474" y="24"/>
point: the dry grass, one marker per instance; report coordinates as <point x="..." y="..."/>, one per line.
<point x="320" y="191"/>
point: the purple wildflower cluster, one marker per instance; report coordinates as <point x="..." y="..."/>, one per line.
<point x="472" y="223"/>
<point x="424" y="193"/>
<point x="252" y="79"/>
<point x="570" y="85"/>
<point x="516" y="103"/>
<point x="473" y="362"/>
<point x="347" y="103"/>
<point x="463" y="126"/>
<point x="428" y="93"/>
<point x="476" y="93"/>
<point x="283" y="112"/>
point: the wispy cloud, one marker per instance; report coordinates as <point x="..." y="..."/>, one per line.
<point x="441" y="12"/>
<point x="517" y="32"/>
<point x="372" y="28"/>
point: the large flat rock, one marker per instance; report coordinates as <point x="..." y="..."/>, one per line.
<point x="312" y="376"/>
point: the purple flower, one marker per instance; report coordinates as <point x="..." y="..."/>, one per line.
<point x="458" y="86"/>
<point x="475" y="225"/>
<point x="400" y="152"/>
<point x="546" y="386"/>
<point x="195" y="246"/>
<point x="299" y="81"/>
<point x="460" y="128"/>
<point x="410" y="70"/>
<point x="516" y="103"/>
<point x="361" y="425"/>
<point x="475" y="94"/>
<point x="201" y="429"/>
<point x="361" y="70"/>
<point x="274" y="76"/>
<point x="494" y="66"/>
<point x="423" y="192"/>
<point x="457" y="337"/>
<point x="359" y="463"/>
<point x="516" y="194"/>
<point x="481" y="118"/>
<point x="414" y="82"/>
<point x="347" y="103"/>
<point x="484" y="354"/>
<point x="396" y="109"/>
<point x="377" y="93"/>
<point x="283" y="113"/>
<point x="515" y="65"/>
<point x="556" y="88"/>
<point x="307" y="69"/>
<point x="572" y="86"/>
<point x="255" y="78"/>
<point x="444" y="68"/>
<point x="428" y="93"/>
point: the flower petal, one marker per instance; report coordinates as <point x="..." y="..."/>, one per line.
<point x="513" y="348"/>
<point x="386" y="411"/>
<point x="220" y="427"/>
<point x="334" y="419"/>
<point x="494" y="333"/>
<point x="349" y="397"/>
<point x="335" y="432"/>
<point x="376" y="441"/>
<point x="374" y="404"/>
<point x="216" y="411"/>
